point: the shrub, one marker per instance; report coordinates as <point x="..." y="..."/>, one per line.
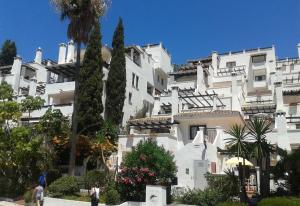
<point x="231" y="204"/>
<point x="208" y="197"/>
<point x="28" y="196"/>
<point x="94" y="176"/>
<point x="64" y="186"/>
<point x="53" y="174"/>
<point x="112" y="197"/>
<point x="226" y="184"/>
<point x="280" y="201"/>
<point x="148" y="163"/>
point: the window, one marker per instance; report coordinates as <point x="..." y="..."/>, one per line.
<point x="260" y="78"/>
<point x="158" y="78"/>
<point x="133" y="77"/>
<point x="297" y="126"/>
<point x="187" y="171"/>
<point x="130" y="98"/>
<point x="194" y="129"/>
<point x="136" y="57"/>
<point x="162" y="82"/>
<point x="259" y="58"/>
<point x="149" y="89"/>
<point x="230" y="64"/>
<point x="137" y="82"/>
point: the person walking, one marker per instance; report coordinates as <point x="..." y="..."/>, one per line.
<point x="95" y="194"/>
<point x="42" y="180"/>
<point x="38" y="195"/>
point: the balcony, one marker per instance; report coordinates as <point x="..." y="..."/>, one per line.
<point x="59" y="88"/>
<point x="66" y="109"/>
<point x="257" y="84"/>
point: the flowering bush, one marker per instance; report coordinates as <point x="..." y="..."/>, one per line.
<point x="147" y="164"/>
<point x="132" y="182"/>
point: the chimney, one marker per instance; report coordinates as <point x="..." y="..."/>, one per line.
<point x="278" y="96"/>
<point x="235" y="103"/>
<point x="298" y="46"/>
<point x="38" y="56"/>
<point x="175" y="100"/>
<point x="71" y="52"/>
<point x="214" y="60"/>
<point x="16" y="71"/>
<point x="62" y="53"/>
<point x="200" y="78"/>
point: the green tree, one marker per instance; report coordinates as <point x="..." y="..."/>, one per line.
<point x="238" y="146"/>
<point x="147" y="163"/>
<point x="105" y="143"/>
<point x="82" y="16"/>
<point x="287" y="168"/>
<point x="31" y="103"/>
<point x="90" y="87"/>
<point x="261" y="149"/>
<point x="8" y="52"/>
<point x="53" y="126"/>
<point x="9" y="110"/>
<point x="21" y="154"/>
<point x="116" y="81"/>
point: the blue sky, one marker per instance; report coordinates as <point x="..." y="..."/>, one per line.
<point x="188" y="29"/>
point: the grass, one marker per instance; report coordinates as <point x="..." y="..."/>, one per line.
<point x="231" y="204"/>
<point x="280" y="201"/>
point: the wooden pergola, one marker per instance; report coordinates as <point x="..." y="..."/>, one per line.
<point x="67" y="69"/>
<point x="200" y="100"/>
<point x="153" y="124"/>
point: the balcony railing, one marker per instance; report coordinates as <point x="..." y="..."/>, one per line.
<point x="227" y="71"/>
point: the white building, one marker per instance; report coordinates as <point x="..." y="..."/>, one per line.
<point x="146" y="75"/>
<point x="207" y="96"/>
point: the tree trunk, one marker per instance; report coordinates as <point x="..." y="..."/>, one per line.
<point x="261" y="174"/>
<point x="243" y="194"/>
<point x="73" y="139"/>
<point x="266" y="177"/>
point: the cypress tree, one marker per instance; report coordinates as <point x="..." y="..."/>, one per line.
<point x="8" y="52"/>
<point x="90" y="86"/>
<point x="116" y="81"/>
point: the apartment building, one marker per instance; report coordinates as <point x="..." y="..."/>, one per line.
<point x="206" y="96"/>
<point x="146" y="75"/>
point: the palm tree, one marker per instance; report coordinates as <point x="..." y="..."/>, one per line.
<point x="258" y="128"/>
<point x="82" y="16"/>
<point x="238" y="146"/>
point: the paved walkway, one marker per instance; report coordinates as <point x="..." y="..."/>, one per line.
<point x="60" y="202"/>
<point x="4" y="203"/>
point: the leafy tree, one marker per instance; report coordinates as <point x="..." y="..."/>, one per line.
<point x="261" y="149"/>
<point x="105" y="143"/>
<point x="287" y="168"/>
<point x="238" y="146"/>
<point x="8" y="52"/>
<point x="9" y="110"/>
<point x="147" y="163"/>
<point x="31" y="103"/>
<point x="6" y="91"/>
<point x="116" y="81"/>
<point x="82" y="16"/>
<point x="90" y="87"/>
<point x="21" y="154"/>
<point x="54" y="123"/>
